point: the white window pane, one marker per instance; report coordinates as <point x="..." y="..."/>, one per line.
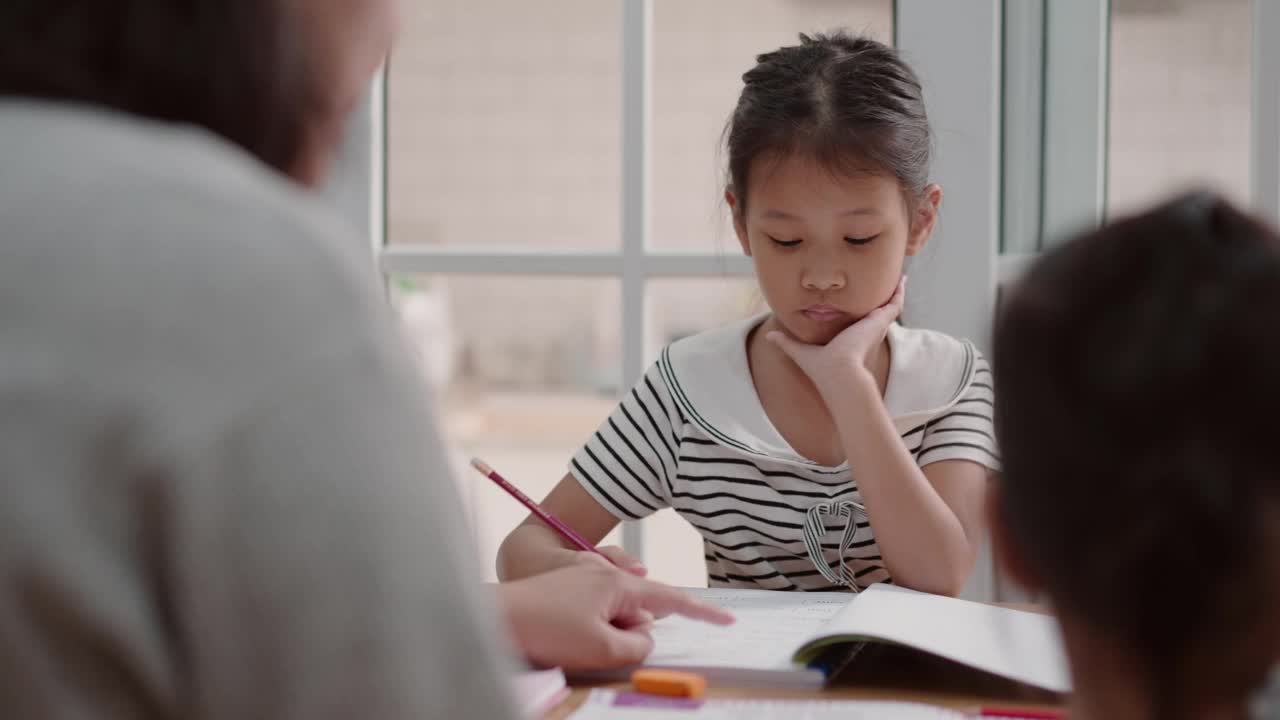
<point x="504" y="124"/>
<point x="524" y="370"/>
<point x="701" y="48"/>
<point x="687" y="306"/>
<point x="1180" y="99"/>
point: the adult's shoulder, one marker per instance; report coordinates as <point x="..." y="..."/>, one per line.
<point x="103" y="181"/>
<point x="168" y="238"/>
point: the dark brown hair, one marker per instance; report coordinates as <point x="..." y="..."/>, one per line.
<point x="234" y="67"/>
<point x="849" y="102"/>
<point x="1137" y="378"/>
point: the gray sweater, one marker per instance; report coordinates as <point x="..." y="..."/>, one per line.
<point x="222" y="494"/>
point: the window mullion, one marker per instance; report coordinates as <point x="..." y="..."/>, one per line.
<point x="637" y="31"/>
<point x="1265" y="152"/>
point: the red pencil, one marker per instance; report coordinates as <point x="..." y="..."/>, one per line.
<point x="565" y="531"/>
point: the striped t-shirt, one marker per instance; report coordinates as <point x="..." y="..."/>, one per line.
<point x="692" y="435"/>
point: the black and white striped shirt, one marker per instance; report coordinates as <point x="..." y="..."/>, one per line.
<point x="692" y="435"/>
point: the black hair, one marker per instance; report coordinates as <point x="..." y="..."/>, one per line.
<point x="849" y="102"/>
<point x="1137" y="373"/>
<point x="234" y="67"/>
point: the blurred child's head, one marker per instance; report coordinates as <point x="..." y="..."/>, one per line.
<point x="1138" y="381"/>
<point x="276" y="77"/>
<point x="828" y="179"/>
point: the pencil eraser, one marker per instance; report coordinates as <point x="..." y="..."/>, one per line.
<point x="671" y="683"/>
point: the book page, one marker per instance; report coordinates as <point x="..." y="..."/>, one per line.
<point x="1015" y="644"/>
<point x="769" y="628"/>
<point x="537" y="691"/>
<point x="607" y="705"/>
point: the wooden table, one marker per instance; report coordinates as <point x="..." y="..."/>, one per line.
<point x="959" y="702"/>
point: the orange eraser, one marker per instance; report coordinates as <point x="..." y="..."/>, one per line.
<point x="671" y="683"/>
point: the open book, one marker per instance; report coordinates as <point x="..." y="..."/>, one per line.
<point x="803" y="639"/>
<point x="604" y="704"/>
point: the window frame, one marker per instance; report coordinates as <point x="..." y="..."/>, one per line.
<point x="1056" y="129"/>
<point x="1265" y="141"/>
<point x="948" y="43"/>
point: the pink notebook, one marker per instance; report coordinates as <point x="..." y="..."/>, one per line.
<point x="539" y="691"/>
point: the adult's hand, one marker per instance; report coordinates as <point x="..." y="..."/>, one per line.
<point x="593" y="616"/>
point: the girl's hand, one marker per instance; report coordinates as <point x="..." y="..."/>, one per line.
<point x="614" y="556"/>
<point x="846" y="354"/>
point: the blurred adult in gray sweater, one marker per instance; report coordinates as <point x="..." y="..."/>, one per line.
<point x="222" y="494"/>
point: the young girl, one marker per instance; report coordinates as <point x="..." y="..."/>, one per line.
<point x="819" y="446"/>
<point x="1138" y="382"/>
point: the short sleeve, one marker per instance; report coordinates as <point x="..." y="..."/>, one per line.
<point x="965" y="431"/>
<point x="629" y="464"/>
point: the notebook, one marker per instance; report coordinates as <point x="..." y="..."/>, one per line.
<point x="538" y="691"/>
<point x="610" y="705"/>
<point x="803" y="639"/>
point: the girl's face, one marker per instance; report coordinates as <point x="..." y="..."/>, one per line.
<point x="827" y="249"/>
